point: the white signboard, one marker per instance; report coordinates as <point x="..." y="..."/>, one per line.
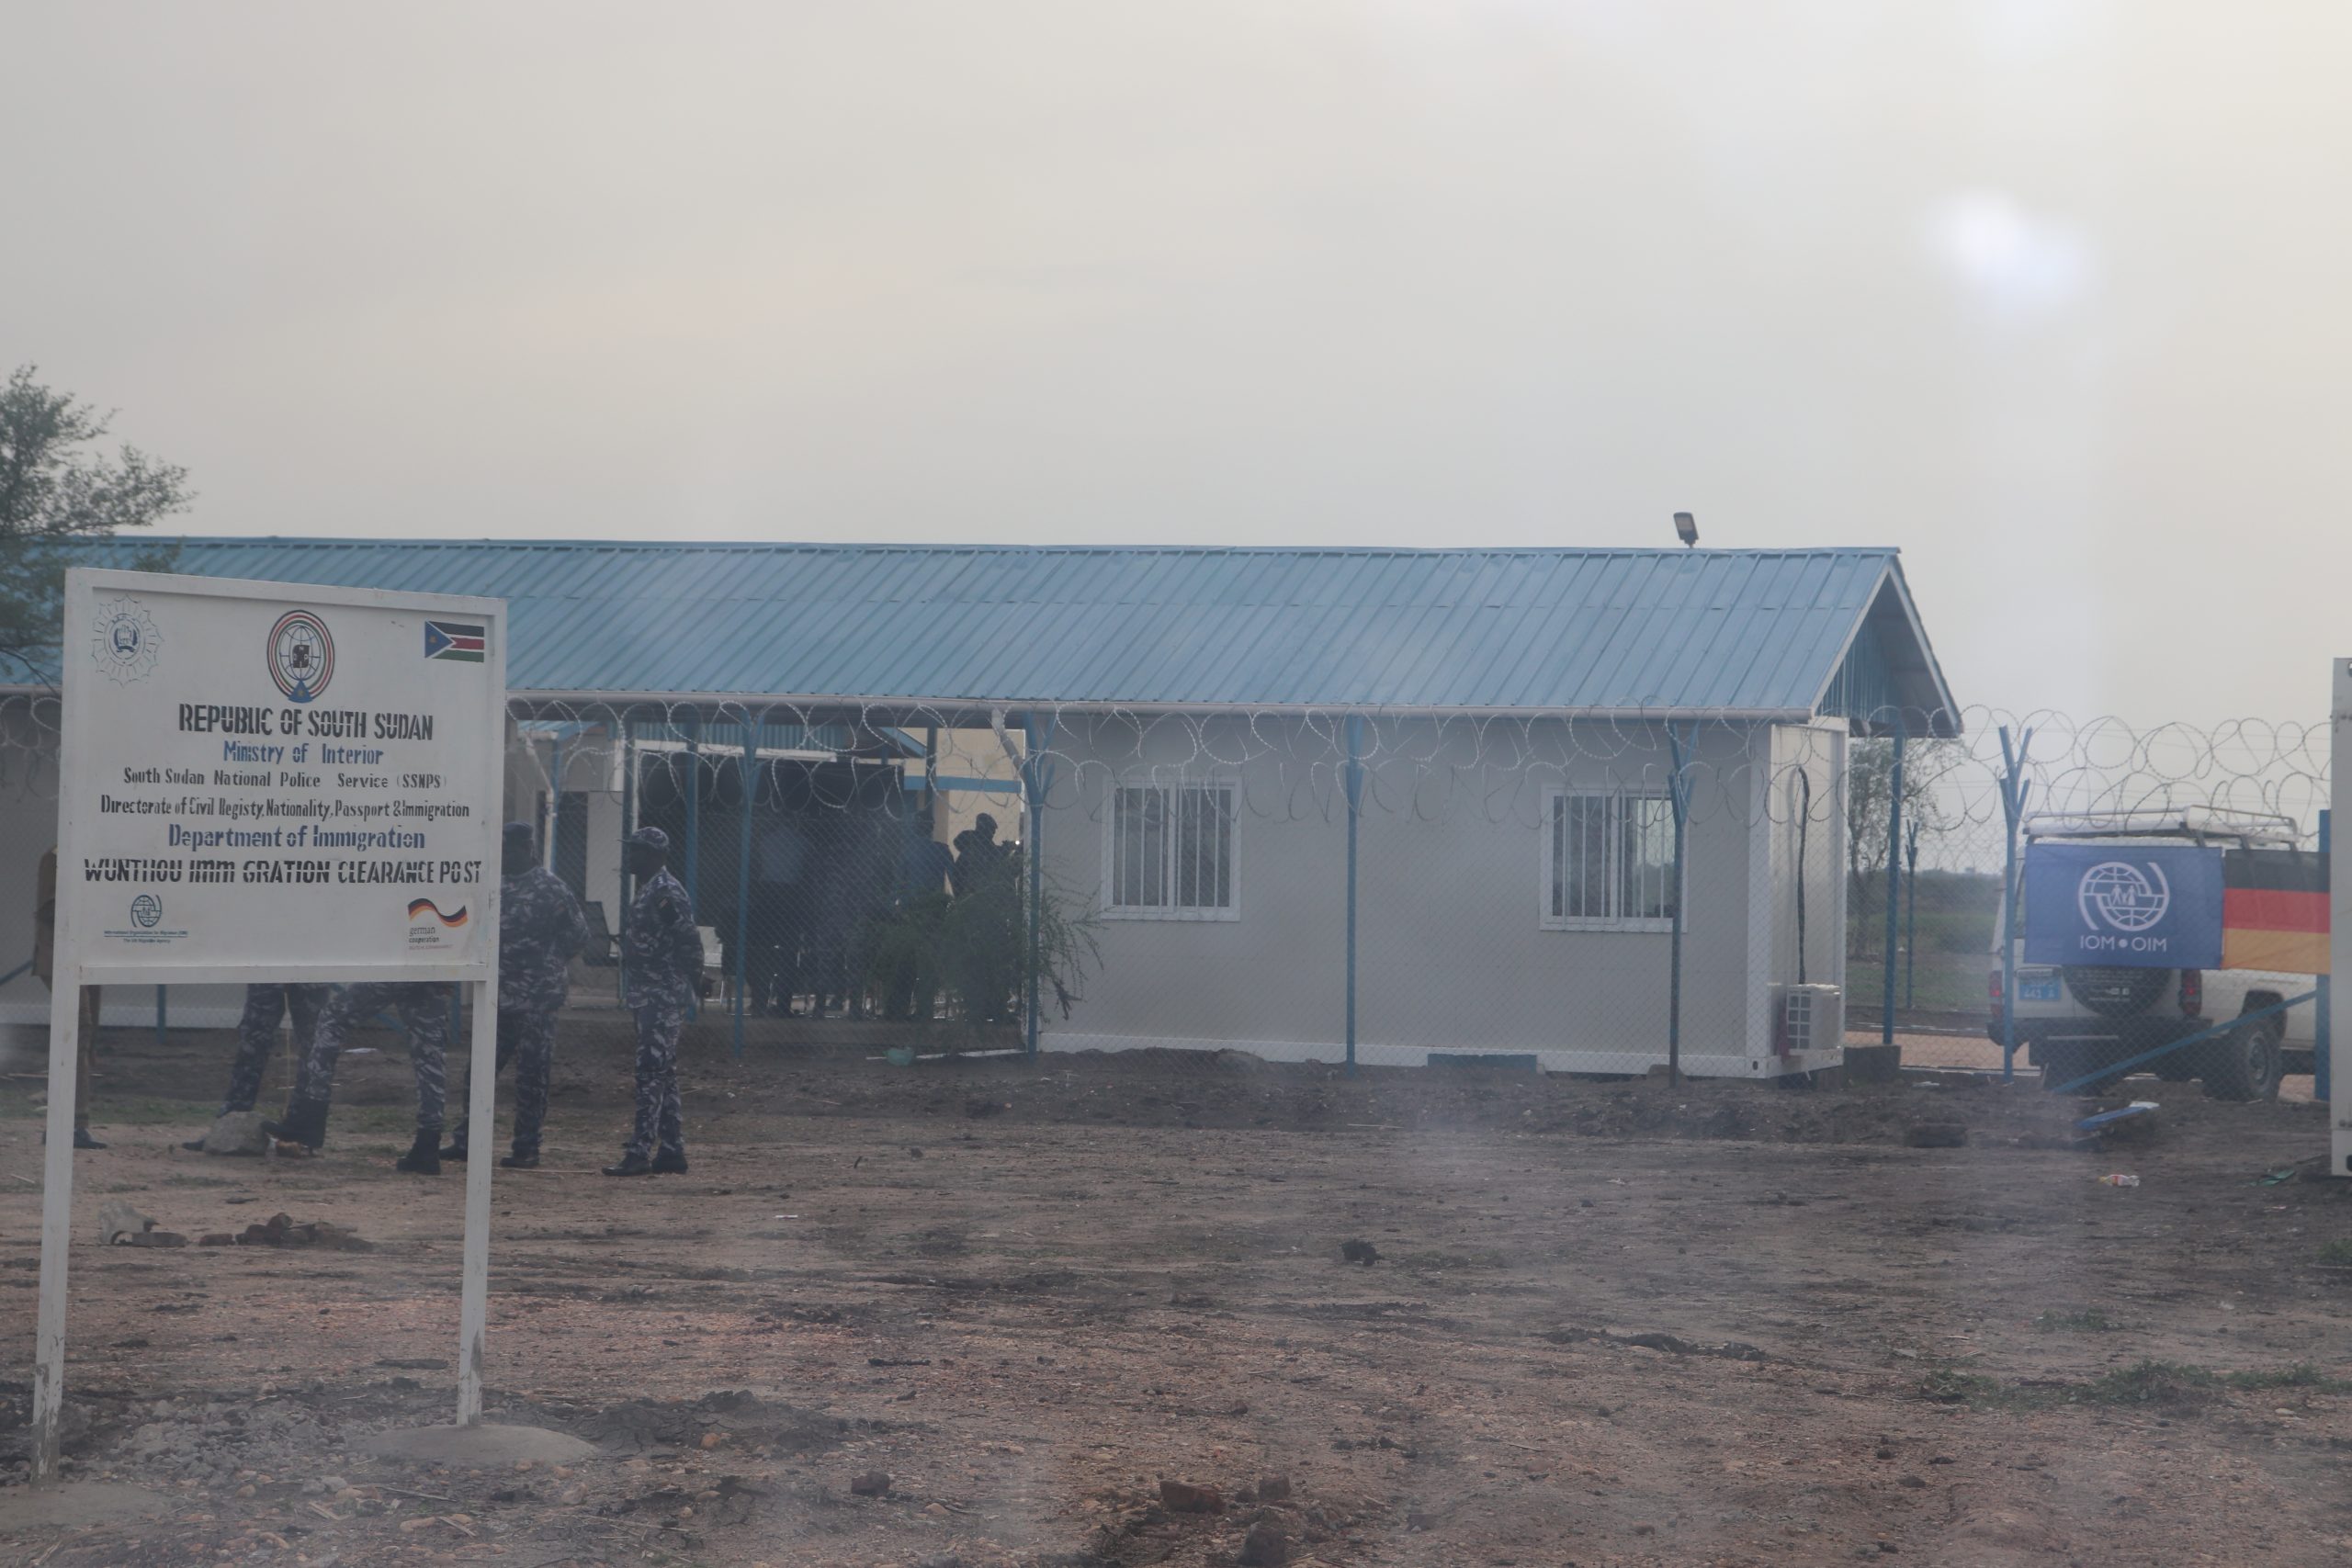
<point x="270" y="782"/>
<point x="266" y="782"/>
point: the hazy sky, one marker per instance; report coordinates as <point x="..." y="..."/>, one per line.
<point x="2051" y="293"/>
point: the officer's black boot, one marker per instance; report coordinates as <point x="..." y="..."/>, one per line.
<point x="424" y="1157"/>
<point x="305" y="1122"/>
<point x="522" y="1159"/>
<point x="454" y="1150"/>
<point x="632" y="1165"/>
<point x="82" y="1139"/>
<point x="669" y="1162"/>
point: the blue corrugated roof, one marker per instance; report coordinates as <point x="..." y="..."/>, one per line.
<point x="1554" y="630"/>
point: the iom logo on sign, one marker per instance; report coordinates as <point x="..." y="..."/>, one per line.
<point x="146" y="911"/>
<point x="2123" y="896"/>
<point x="2087" y="904"/>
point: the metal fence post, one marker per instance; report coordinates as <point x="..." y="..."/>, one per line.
<point x="1893" y="888"/>
<point x="1355" y="816"/>
<point x="1911" y="917"/>
<point x="743" y="876"/>
<point x="2013" y="793"/>
<point x="2322" y="1008"/>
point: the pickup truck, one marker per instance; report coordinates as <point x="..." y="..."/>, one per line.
<point x="2076" y="1021"/>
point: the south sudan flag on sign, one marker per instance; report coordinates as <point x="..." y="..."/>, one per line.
<point x="446" y="639"/>
<point x="2274" y="910"/>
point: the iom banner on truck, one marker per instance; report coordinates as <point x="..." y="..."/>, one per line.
<point x="2152" y="907"/>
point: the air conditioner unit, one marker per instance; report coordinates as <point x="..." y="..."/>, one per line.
<point x="1808" y="1018"/>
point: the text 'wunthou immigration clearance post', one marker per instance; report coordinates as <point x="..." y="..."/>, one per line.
<point x="268" y="780"/>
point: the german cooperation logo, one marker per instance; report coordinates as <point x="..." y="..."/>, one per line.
<point x="428" y="923"/>
<point x="302" y="655"/>
<point x="2125" y="900"/>
<point x="125" y="643"/>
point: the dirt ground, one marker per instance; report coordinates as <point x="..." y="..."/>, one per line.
<point x="1607" y="1323"/>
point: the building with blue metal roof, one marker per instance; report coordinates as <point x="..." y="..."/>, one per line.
<point x="1749" y="634"/>
<point x="1328" y="804"/>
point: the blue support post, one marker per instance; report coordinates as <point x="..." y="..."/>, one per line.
<point x="693" y="809"/>
<point x="628" y="826"/>
<point x="1893" y="885"/>
<point x="1355" y="816"/>
<point x="2323" y="1019"/>
<point x="2013" y="794"/>
<point x="1034" y="778"/>
<point x="1677" y="795"/>
<point x="694" y="833"/>
<point x="555" y="800"/>
<point x="1036" y="872"/>
<point x="743" y="874"/>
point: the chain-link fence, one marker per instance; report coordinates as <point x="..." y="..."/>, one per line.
<point x="1607" y="896"/>
<point x="1929" y="878"/>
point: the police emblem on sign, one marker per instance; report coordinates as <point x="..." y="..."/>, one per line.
<point x="125" y="643"/>
<point x="302" y="655"/>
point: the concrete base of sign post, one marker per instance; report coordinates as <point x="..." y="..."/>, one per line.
<point x="75" y="1504"/>
<point x="481" y="1446"/>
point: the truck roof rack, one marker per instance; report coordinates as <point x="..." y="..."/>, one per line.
<point x="2266" y="829"/>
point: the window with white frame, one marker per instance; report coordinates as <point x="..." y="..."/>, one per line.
<point x="1170" y="852"/>
<point x="1609" y="862"/>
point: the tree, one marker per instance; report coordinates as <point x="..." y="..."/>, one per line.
<point x="53" y="491"/>
<point x="975" y="949"/>
<point x="1870" y="795"/>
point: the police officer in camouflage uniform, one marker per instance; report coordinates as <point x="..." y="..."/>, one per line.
<point x="662" y="952"/>
<point x="539" y="928"/>
<point x="423" y="1009"/>
<point x="257" y="1029"/>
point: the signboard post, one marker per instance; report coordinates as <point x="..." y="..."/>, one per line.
<point x="264" y="782"/>
<point x="2339" y="1110"/>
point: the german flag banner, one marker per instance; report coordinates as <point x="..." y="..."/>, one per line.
<point x="2274" y="910"/>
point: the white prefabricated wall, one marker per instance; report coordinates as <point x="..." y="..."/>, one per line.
<point x="1453" y="949"/>
<point x="1452" y="953"/>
